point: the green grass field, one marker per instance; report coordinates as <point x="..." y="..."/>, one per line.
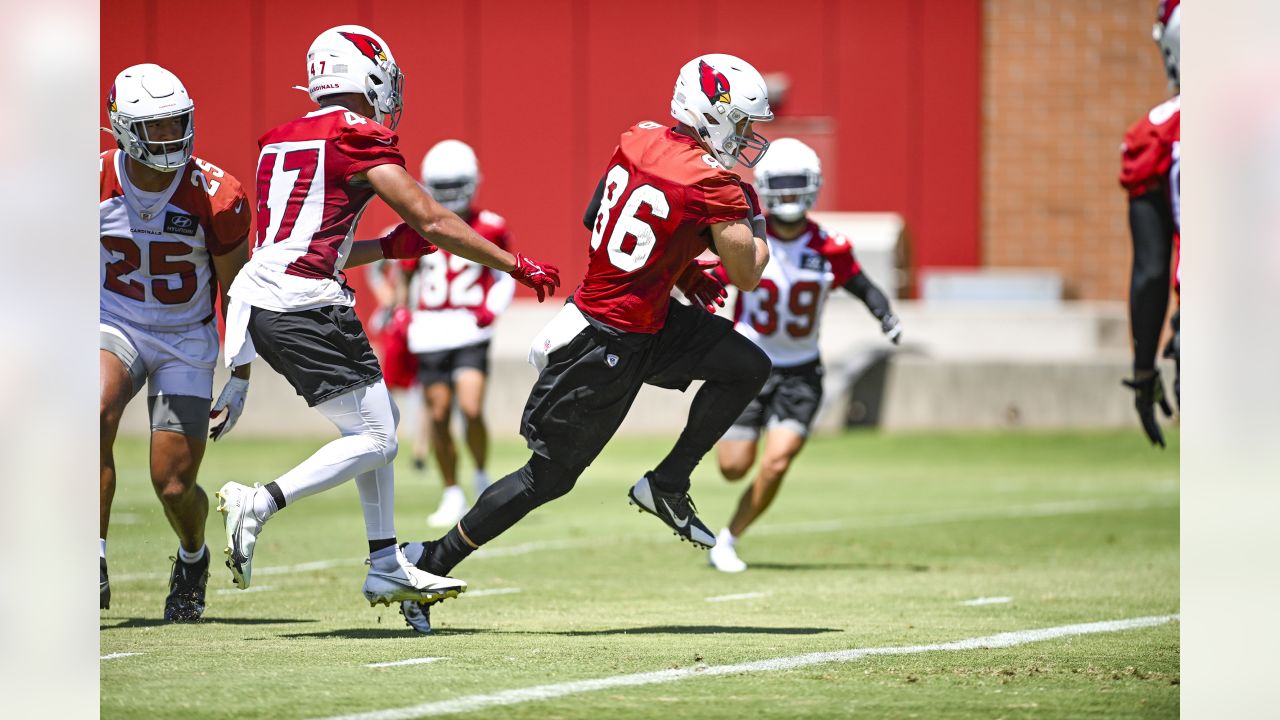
<point x="874" y="542"/>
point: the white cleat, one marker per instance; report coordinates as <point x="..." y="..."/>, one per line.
<point x="453" y="505"/>
<point x="724" y="557"/>
<point x="243" y="527"/>
<point x="406" y="582"/>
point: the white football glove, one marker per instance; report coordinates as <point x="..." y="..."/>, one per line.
<point x="891" y="326"/>
<point x="232" y="400"/>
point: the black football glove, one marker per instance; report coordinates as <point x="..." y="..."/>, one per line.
<point x="1149" y="392"/>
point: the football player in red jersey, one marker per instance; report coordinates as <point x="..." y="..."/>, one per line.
<point x="665" y="197"/>
<point x="783" y="315"/>
<point x="1150" y="173"/>
<point x="455" y="302"/>
<point x="173" y="231"/>
<point x="315" y="176"/>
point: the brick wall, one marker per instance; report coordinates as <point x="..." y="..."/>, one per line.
<point x="1062" y="79"/>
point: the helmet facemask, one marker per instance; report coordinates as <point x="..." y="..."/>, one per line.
<point x="790" y="196"/>
<point x="387" y="98"/>
<point x="166" y="155"/>
<point x="454" y="194"/>
<point x="744" y="145"/>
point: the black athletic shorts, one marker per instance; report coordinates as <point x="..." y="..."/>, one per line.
<point x="439" y="366"/>
<point x="322" y="352"/>
<point x="790" y="398"/>
<point x="587" y="387"/>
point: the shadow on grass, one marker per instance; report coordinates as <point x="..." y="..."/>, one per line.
<point x="154" y="622"/>
<point x="385" y="633"/>
<point x="909" y="567"/>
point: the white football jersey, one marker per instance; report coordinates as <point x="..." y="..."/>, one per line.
<point x="783" y="313"/>
<point x="155" y="251"/>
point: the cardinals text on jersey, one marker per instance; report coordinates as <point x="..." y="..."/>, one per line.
<point x="662" y="191"/>
<point x="783" y="313"/>
<point x="447" y="289"/>
<point x="308" y="207"/>
<point x="154" y="267"/>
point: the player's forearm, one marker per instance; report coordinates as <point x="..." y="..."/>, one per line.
<point x="746" y="268"/>
<point x="1152" y="236"/>
<point x="449" y="232"/>
<point x="870" y="294"/>
<point x="364" y="252"/>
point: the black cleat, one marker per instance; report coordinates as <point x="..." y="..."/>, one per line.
<point x="186" y="590"/>
<point x="104" y="586"/>
<point x="417" y="615"/>
<point x="674" y="509"/>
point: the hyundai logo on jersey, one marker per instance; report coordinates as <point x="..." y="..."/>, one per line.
<point x="179" y="223"/>
<point x="811" y="261"/>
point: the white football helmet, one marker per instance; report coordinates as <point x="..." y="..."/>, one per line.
<point x="1167" y="32"/>
<point x="141" y="95"/>
<point x="450" y="173"/>
<point x="352" y="59"/>
<point x="788" y="179"/>
<point x="719" y="96"/>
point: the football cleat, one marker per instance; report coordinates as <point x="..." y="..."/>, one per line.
<point x="724" y="557"/>
<point x="417" y="615"/>
<point x="243" y="527"/>
<point x="407" y="582"/>
<point x="186" y="590"/>
<point x="674" y="509"/>
<point x="104" y="586"/>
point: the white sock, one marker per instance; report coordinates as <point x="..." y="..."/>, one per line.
<point x="190" y="557"/>
<point x="482" y="481"/>
<point x="102" y="547"/>
<point x="366" y="417"/>
<point x="726" y="537"/>
<point x="453" y="491"/>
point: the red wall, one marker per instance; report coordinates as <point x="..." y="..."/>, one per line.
<point x="542" y="90"/>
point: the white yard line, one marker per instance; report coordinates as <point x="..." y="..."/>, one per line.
<point x="468" y="703"/>
<point x="988" y="601"/>
<point x="237" y="591"/>
<point x="113" y="656"/>
<point x="739" y="596"/>
<point x="489" y="591"/>
<point x="1073" y="507"/>
<point x="410" y="661"/>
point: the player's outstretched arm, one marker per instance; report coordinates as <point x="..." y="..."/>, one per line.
<point x="742" y="253"/>
<point x="432" y="221"/>
<point x="874" y="298"/>
<point x="1151" y="228"/>
<point x="234" y="393"/>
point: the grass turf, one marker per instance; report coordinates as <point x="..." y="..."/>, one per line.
<point x="874" y="541"/>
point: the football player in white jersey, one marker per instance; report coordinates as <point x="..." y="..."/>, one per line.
<point x="290" y="305"/>
<point x="455" y="303"/>
<point x="782" y="315"/>
<point x="172" y="229"/>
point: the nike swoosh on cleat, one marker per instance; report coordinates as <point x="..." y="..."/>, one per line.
<point x="679" y="521"/>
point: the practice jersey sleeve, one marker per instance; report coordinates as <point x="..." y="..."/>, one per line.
<point x="367" y="145"/>
<point x="715" y="199"/>
<point x="231" y="217"/>
<point x="1147" y="151"/>
<point x="839" y="252"/>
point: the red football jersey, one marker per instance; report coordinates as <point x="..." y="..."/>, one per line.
<point x="308" y="207"/>
<point x="1152" y="158"/>
<point x="662" y="191"/>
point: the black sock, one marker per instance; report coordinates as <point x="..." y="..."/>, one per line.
<point x="376" y="545"/>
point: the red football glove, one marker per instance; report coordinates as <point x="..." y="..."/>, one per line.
<point x="700" y="283"/>
<point x="403" y="242"/>
<point x="544" y="278"/>
<point x="484" y="316"/>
